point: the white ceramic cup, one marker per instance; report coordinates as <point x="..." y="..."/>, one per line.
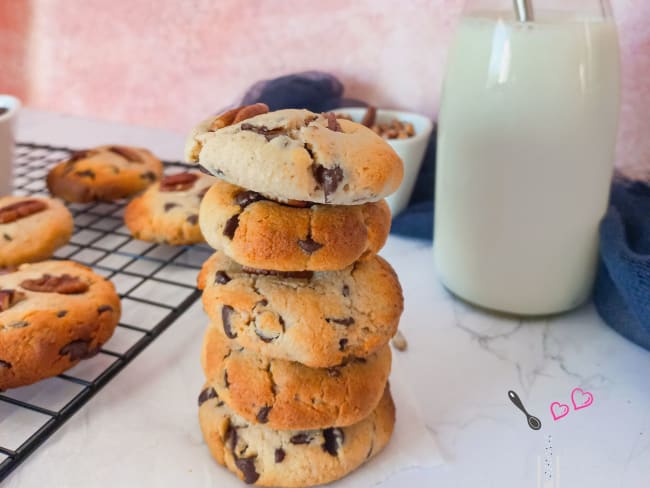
<point x="9" y="107"/>
<point x="411" y="150"/>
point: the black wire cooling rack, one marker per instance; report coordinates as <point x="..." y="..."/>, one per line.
<point x="155" y="282"/>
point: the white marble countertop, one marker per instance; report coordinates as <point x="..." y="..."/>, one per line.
<point x="140" y="430"/>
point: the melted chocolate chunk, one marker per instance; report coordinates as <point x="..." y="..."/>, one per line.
<point x="279" y="455"/>
<point x="264" y="338"/>
<point x="170" y="205"/>
<point x="281" y="320"/>
<point x="231" y="226"/>
<point x="61" y="313"/>
<point x="334" y="438"/>
<point x="301" y="275"/>
<point x="245" y="198"/>
<point x="7" y="237"/>
<point x="192" y="219"/>
<point x="231" y="438"/>
<point x="346" y="291"/>
<point x="263" y="415"/>
<point x="342" y="344"/>
<point x="269" y="134"/>
<point x="149" y="175"/>
<point x="302" y="438"/>
<point x="226" y="314"/>
<point x="225" y="379"/>
<point x="346" y="321"/>
<point x="327" y="178"/>
<point x="104" y="308"/>
<point x="309" y="245"/>
<point x="221" y="277"/>
<point x="87" y="173"/>
<point x="247" y="467"/>
<point x="206" y="395"/>
<point x="6" y="365"/>
<point x="76" y="350"/>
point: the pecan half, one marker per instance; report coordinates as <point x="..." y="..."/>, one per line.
<point x="64" y="284"/>
<point x="131" y="155"/>
<point x="238" y="114"/>
<point x="9" y="298"/>
<point x="178" y="182"/>
<point x="19" y="210"/>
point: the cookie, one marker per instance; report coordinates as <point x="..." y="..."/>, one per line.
<point x="319" y="319"/>
<point x="287" y="395"/>
<point x="298" y="155"/>
<point x="168" y="211"/>
<point x="266" y="457"/>
<point x="52" y="315"/>
<point x="262" y="233"/>
<point x="32" y="228"/>
<point x="105" y="173"/>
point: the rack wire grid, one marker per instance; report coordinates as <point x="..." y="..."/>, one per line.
<point x="155" y="282"/>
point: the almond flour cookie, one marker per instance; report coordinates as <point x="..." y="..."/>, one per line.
<point x="169" y="210"/>
<point x="291" y="458"/>
<point x="52" y="315"/>
<point x="32" y="228"/>
<point x="105" y="173"/>
<point x="261" y="233"/>
<point x="319" y="319"/>
<point x="298" y="155"/>
<point x="287" y="395"/>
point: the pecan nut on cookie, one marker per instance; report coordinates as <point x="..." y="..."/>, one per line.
<point x="320" y="319"/>
<point x="261" y="233"/>
<point x="104" y="173"/>
<point x="288" y="395"/>
<point x="32" y="228"/>
<point x="298" y="155"/>
<point x="168" y="211"/>
<point x="291" y="458"/>
<point x="52" y="315"/>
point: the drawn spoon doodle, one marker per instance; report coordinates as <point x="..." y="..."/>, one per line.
<point x="533" y="422"/>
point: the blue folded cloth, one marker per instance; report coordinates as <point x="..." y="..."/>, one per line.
<point x="622" y="290"/>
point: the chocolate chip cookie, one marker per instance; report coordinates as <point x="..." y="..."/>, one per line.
<point x="168" y="211"/>
<point x="52" y="315"/>
<point x="266" y="457"/>
<point x="287" y="395"/>
<point x="32" y="228"/>
<point x="294" y="236"/>
<point x="319" y="319"/>
<point x="105" y="173"/>
<point x="299" y="155"/>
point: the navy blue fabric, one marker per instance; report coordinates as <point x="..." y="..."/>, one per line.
<point x="622" y="291"/>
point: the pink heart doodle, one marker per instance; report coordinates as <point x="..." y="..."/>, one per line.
<point x="559" y="410"/>
<point x="583" y="400"/>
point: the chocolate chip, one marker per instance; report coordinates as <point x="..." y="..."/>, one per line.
<point x="131" y="155"/>
<point x="6" y="365"/>
<point x="231" y="226"/>
<point x="327" y="178"/>
<point x="332" y="123"/>
<point x="221" y="277"/>
<point x="170" y="205"/>
<point x="19" y="325"/>
<point x="149" y="175"/>
<point x="231" y="437"/>
<point x="262" y="303"/>
<point x="7" y="237"/>
<point x="87" y="173"/>
<point x="192" y="219"/>
<point x="64" y="284"/>
<point x="309" y="245"/>
<point x="206" y="395"/>
<point x="300" y="275"/>
<point x="279" y="455"/>
<point x="302" y="438"/>
<point x="310" y="151"/>
<point x="226" y="314"/>
<point x="334" y="438"/>
<point x="19" y="210"/>
<point x="104" y="308"/>
<point x="247" y="467"/>
<point x="346" y="291"/>
<point x="370" y="451"/>
<point x="269" y="134"/>
<point x="281" y="320"/>
<point x="225" y="379"/>
<point x="178" y="182"/>
<point x="346" y="321"/>
<point x="245" y="198"/>
<point x="263" y="337"/>
<point x="61" y="313"/>
<point x="76" y="350"/>
<point x="334" y="372"/>
<point x="342" y="344"/>
<point x="263" y="415"/>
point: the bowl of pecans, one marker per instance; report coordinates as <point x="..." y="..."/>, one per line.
<point x="407" y="132"/>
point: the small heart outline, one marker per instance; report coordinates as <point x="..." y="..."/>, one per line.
<point x="564" y="410"/>
<point x="584" y="404"/>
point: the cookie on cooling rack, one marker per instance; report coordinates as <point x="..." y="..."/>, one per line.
<point x="32" y="228"/>
<point x="291" y="458"/>
<point x="105" y="173"/>
<point x="168" y="211"/>
<point x="52" y="315"/>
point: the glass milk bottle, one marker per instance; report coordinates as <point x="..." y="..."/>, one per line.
<point x="527" y="132"/>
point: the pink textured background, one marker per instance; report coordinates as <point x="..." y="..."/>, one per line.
<point x="167" y="63"/>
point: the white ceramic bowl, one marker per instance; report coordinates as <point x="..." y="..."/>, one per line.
<point x="411" y="150"/>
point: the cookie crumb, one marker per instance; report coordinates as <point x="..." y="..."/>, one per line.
<point x="399" y="341"/>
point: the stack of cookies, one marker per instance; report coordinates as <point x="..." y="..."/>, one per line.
<point x="296" y="355"/>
